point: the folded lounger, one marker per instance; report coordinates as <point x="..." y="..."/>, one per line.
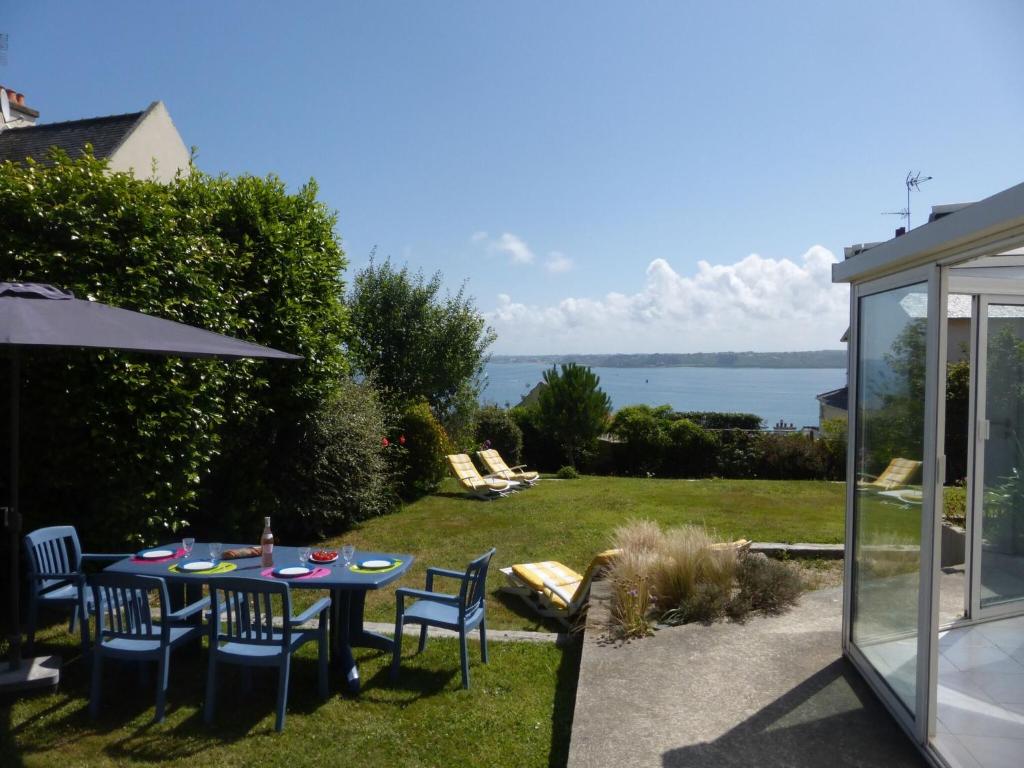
<point x="497" y="466"/>
<point x="898" y="474"/>
<point x="472" y="482"/>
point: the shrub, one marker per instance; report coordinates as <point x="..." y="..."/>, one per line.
<point x="631" y="593"/>
<point x="573" y="409"/>
<point x="717" y="420"/>
<point x="143" y="444"/>
<point x="422" y="462"/>
<point x="497" y="427"/>
<point x="644" y="430"/>
<point x="539" y="449"/>
<point x="738" y="453"/>
<point x="691" y="449"/>
<point x="567" y="473"/>
<point x="833" y="441"/>
<point x="348" y="478"/>
<point x="766" y="586"/>
<point x="791" y="457"/>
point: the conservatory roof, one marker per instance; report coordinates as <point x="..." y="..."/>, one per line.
<point x="983" y="228"/>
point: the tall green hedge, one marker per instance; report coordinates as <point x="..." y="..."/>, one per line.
<point x="128" y="446"/>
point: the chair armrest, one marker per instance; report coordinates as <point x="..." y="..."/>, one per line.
<point x="431" y="572"/>
<point x="105" y="557"/>
<point x="69" y="575"/>
<point x="518" y="466"/>
<point x="439" y="597"/>
<point x="558" y="591"/>
<point x="319" y="606"/>
<point x="189" y="610"/>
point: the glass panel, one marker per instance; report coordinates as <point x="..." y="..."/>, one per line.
<point x="1002" y="525"/>
<point x="892" y="327"/>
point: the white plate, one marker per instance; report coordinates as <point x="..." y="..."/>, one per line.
<point x="295" y="570"/>
<point x="376" y="563"/>
<point x="155" y="553"/>
<point x="197" y="565"/>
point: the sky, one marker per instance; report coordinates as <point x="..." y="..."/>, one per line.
<point x="605" y="177"/>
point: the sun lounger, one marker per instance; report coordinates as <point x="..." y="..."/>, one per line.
<point x="898" y="474"/>
<point x="473" y="483"/>
<point x="497" y="466"/>
<point x="552" y="589"/>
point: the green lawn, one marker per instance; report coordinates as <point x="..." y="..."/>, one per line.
<point x="518" y="710"/>
<point x="570" y="520"/>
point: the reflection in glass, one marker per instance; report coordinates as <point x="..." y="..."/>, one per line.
<point x="1002" y="527"/>
<point x="887" y="502"/>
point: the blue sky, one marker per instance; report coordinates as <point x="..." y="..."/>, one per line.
<point x="609" y="176"/>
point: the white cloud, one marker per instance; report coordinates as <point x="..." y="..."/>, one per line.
<point x="558" y="262"/>
<point x="508" y="244"/>
<point x="754" y="304"/>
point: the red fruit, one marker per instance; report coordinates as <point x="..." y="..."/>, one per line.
<point x="401" y="440"/>
<point x="384" y="442"/>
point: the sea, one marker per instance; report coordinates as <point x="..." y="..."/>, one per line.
<point x="774" y="394"/>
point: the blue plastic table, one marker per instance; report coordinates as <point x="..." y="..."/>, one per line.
<point x="348" y="592"/>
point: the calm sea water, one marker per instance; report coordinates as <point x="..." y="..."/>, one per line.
<point x="771" y="393"/>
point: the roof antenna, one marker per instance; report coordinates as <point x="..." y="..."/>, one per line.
<point x="914" y="180"/>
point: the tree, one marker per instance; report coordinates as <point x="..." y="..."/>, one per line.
<point x="573" y="409"/>
<point x="645" y="430"/>
<point x="415" y="344"/>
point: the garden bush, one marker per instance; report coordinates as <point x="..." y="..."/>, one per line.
<point x="420" y="459"/>
<point x="643" y="429"/>
<point x="348" y="478"/>
<point x="567" y="473"/>
<point x="721" y="420"/>
<point x="691" y="450"/>
<point x="738" y="453"/>
<point x="496" y="428"/>
<point x="766" y="586"/>
<point x="539" y="450"/>
<point x="131" y="447"/>
<point x="791" y="457"/>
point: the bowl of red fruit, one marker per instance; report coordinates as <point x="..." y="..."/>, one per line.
<point x="324" y="556"/>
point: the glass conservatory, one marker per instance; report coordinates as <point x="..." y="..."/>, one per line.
<point x="933" y="610"/>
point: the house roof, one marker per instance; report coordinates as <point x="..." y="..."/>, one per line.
<point x="836" y="398"/>
<point x="105" y="134"/>
<point x="992" y="225"/>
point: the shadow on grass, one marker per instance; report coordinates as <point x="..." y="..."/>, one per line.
<point x="520" y="608"/>
<point x="565" y="704"/>
<point x="831" y="718"/>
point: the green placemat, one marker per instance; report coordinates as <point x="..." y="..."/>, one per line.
<point x="357" y="569"/>
<point x="219" y="568"/>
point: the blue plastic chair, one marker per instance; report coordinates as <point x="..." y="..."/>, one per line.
<point x="243" y="633"/>
<point x="462" y="613"/>
<point x="125" y="628"/>
<point x="56" y="578"/>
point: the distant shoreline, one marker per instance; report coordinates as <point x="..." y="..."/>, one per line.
<point x="822" y="358"/>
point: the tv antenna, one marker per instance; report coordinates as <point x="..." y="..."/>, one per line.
<point x="914" y="180"/>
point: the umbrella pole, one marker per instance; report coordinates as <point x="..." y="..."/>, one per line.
<point x="13" y="515"/>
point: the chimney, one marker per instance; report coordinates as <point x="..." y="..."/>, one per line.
<point x="21" y="116"/>
<point x="901" y="231"/>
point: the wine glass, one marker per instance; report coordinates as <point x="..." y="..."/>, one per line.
<point x="347" y="553"/>
<point x="304" y="553"/>
<point x="187" y="544"/>
<point x="215" y="549"/>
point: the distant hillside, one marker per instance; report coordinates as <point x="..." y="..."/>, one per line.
<point x="821" y="358"/>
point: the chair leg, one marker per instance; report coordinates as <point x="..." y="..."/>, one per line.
<point x="464" y="654"/>
<point x="483" y="640"/>
<point x="322" y="660"/>
<point x="396" y="651"/>
<point x="73" y="621"/>
<point x="211" y="688"/>
<point x="282" y="691"/>
<point x="84" y="619"/>
<point x="94" y="695"/>
<point x="162" y="674"/>
<point x="423" y="639"/>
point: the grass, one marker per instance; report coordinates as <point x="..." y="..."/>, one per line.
<point x="518" y="711"/>
<point x="571" y="520"/>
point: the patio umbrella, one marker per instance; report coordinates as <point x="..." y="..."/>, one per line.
<point x="36" y="315"/>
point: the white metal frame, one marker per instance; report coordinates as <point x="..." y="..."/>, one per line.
<point x="977" y="437"/>
<point x="920" y="723"/>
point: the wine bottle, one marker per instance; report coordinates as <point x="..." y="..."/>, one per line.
<point x="267" y="544"/>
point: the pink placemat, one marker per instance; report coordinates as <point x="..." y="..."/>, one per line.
<point x="316" y="573"/>
<point x="175" y="556"/>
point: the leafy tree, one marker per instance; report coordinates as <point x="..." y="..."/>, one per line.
<point x="692" y="450"/>
<point x="415" y="343"/>
<point x="573" y="409"/>
<point x="645" y="430"/>
<point x="497" y="428"/>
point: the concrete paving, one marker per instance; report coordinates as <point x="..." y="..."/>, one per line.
<point x="771" y="692"/>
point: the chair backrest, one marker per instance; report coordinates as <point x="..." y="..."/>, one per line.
<point x="464" y="469"/>
<point x="474" y="586"/>
<point x="493" y="461"/>
<point x="123" y="601"/>
<point x="899" y="472"/>
<point x="52" y="550"/>
<point x="242" y="611"/>
<point x="601" y="561"/>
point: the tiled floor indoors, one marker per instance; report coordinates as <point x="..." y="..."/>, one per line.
<point x="980" y="719"/>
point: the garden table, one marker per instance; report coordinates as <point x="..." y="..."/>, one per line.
<point x="348" y="587"/>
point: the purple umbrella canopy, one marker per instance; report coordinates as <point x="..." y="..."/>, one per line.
<point x="37" y="315"/>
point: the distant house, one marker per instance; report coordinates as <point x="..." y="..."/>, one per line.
<point x="832" y="404"/>
<point x="143" y="143"/>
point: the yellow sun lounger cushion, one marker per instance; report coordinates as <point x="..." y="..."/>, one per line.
<point x="542" y="576"/>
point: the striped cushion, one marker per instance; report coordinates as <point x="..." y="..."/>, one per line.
<point x="563" y="577"/>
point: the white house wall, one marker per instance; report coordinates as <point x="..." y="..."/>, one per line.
<point x="154" y="138"/>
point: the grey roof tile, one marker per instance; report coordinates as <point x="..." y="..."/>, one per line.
<point x="104" y="133"/>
